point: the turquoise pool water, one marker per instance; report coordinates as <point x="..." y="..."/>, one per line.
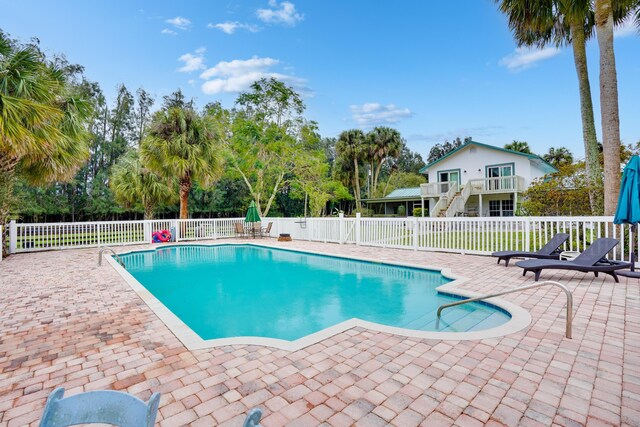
<point x="242" y="290"/>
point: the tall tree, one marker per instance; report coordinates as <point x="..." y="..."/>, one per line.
<point x="559" y="157"/>
<point x="521" y="146"/>
<point x="43" y="118"/>
<point x="184" y="144"/>
<point x="268" y="134"/>
<point x="608" y="104"/>
<point x="440" y="150"/>
<point x="132" y="184"/>
<point x="409" y="161"/>
<point x="351" y="148"/>
<point x="563" y="22"/>
<point x="144" y="103"/>
<point x="383" y="144"/>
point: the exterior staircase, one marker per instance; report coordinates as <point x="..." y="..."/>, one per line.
<point x="443" y="212"/>
<point x="456" y="204"/>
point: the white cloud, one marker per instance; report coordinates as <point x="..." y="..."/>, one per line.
<point x="168" y="31"/>
<point x="374" y="114"/>
<point x="283" y="13"/>
<point x="627" y="28"/>
<point x="238" y="75"/>
<point x="192" y="61"/>
<point x="524" y="58"/>
<point x="179" y="22"/>
<point x="230" y="27"/>
<point x="238" y="67"/>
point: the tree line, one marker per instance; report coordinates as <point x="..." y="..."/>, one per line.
<point x="69" y="154"/>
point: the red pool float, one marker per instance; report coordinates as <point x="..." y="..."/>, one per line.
<point x="161" y="236"/>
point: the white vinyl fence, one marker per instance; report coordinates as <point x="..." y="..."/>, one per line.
<point x="457" y="235"/>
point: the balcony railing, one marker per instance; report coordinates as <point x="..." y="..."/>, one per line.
<point x="436" y="189"/>
<point x="504" y="184"/>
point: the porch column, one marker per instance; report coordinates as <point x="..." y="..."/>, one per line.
<point x="515" y="203"/>
<point x="480" y="204"/>
<point x="422" y="205"/>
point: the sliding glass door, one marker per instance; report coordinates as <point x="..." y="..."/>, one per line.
<point x="500" y="171"/>
<point x="445" y="178"/>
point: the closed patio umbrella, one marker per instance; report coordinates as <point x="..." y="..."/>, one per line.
<point x="252" y="213"/>
<point x="252" y="217"/>
<point x="628" y="211"/>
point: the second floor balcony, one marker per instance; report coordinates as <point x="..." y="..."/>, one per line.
<point x="503" y="184"/>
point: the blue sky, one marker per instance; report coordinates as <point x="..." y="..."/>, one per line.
<point x="433" y="70"/>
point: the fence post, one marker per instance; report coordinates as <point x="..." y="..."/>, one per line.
<point x="415" y="233"/>
<point x="176" y="227"/>
<point x="341" y="228"/>
<point x="527" y="230"/>
<point x="146" y="227"/>
<point x="13" y="237"/>
<point x="358" y="228"/>
<point x="215" y="228"/>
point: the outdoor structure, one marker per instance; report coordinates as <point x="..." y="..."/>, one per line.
<point x="388" y="205"/>
<point x="473" y="180"/>
<point x="479" y="180"/>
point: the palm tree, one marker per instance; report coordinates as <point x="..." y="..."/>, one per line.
<point x="608" y="104"/>
<point x="521" y="146"/>
<point x="184" y="145"/>
<point x="383" y="143"/>
<point x="557" y="22"/>
<point x="43" y="118"/>
<point x="43" y="121"/>
<point x="559" y="156"/>
<point x="351" y="147"/>
<point x="133" y="183"/>
<point x="561" y="22"/>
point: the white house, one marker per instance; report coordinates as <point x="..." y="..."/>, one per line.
<point x="475" y="179"/>
<point x="479" y="179"/>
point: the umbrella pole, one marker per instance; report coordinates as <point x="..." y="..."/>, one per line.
<point x="633" y="247"/>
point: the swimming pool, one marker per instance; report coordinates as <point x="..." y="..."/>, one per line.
<point x="228" y="291"/>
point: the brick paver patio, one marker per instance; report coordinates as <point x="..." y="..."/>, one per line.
<point x="67" y="322"/>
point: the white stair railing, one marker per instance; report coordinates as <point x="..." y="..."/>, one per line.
<point x="457" y="205"/>
<point x="444" y="199"/>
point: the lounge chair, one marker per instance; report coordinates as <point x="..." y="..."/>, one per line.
<point x="548" y="251"/>
<point x="240" y="230"/>
<point x="266" y="230"/>
<point x="591" y="260"/>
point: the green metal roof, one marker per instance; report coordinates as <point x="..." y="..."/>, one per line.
<point x="404" y="192"/>
<point x="540" y="162"/>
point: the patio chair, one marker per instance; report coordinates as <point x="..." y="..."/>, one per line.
<point x="240" y="232"/>
<point x="253" y="418"/>
<point x="266" y="230"/>
<point x="548" y="251"/>
<point x="104" y="407"/>
<point x="591" y="260"/>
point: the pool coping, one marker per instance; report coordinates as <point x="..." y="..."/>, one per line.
<point x="520" y="318"/>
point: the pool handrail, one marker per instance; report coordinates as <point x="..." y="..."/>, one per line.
<point x="522" y="288"/>
<point x="115" y="255"/>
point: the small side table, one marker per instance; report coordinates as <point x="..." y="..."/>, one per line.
<point x="569" y="255"/>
